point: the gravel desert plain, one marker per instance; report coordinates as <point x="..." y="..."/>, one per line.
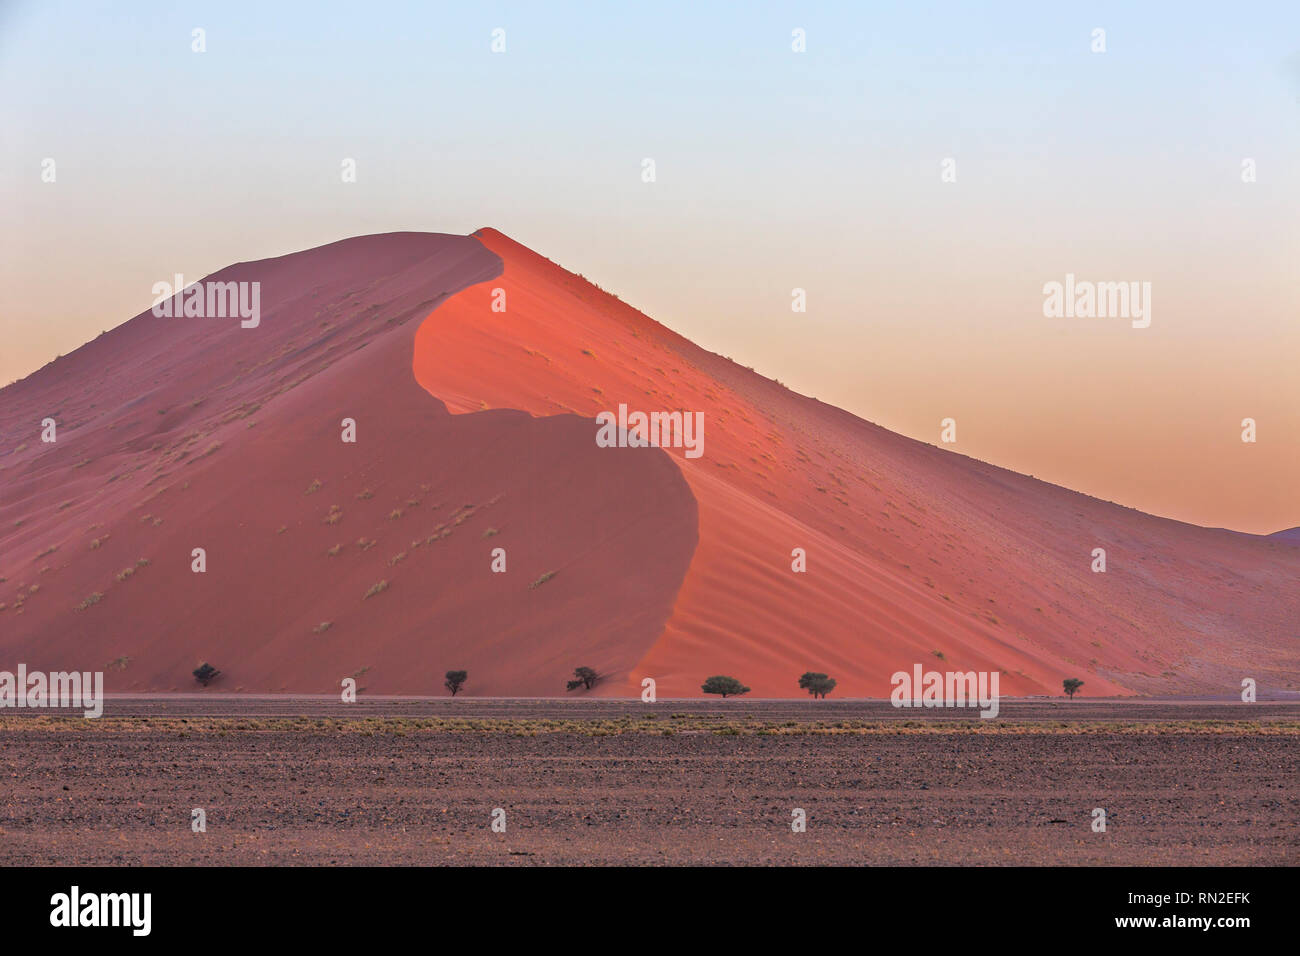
<point x="311" y="781"/>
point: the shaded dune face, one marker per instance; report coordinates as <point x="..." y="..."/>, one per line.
<point x="176" y="434"/>
<point x="914" y="554"/>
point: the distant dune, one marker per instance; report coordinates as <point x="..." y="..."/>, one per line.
<point x="476" y="430"/>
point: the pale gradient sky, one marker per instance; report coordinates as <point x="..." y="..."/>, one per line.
<point x="775" y="170"/>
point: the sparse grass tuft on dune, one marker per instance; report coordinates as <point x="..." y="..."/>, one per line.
<point x="94" y="598"/>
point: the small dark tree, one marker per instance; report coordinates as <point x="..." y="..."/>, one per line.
<point x="455" y="681"/>
<point x="726" y="686"/>
<point x="1071" y="685"/>
<point x="819" y="685"/>
<point x="205" y="673"/>
<point x="586" y="678"/>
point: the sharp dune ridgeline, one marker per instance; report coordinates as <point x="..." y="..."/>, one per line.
<point x="474" y="370"/>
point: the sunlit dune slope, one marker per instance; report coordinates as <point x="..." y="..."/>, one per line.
<point x="914" y="554"/>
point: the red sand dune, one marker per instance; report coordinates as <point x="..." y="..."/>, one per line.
<point x="184" y="433"/>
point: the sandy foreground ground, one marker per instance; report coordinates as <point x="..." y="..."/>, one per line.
<point x="301" y="781"/>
